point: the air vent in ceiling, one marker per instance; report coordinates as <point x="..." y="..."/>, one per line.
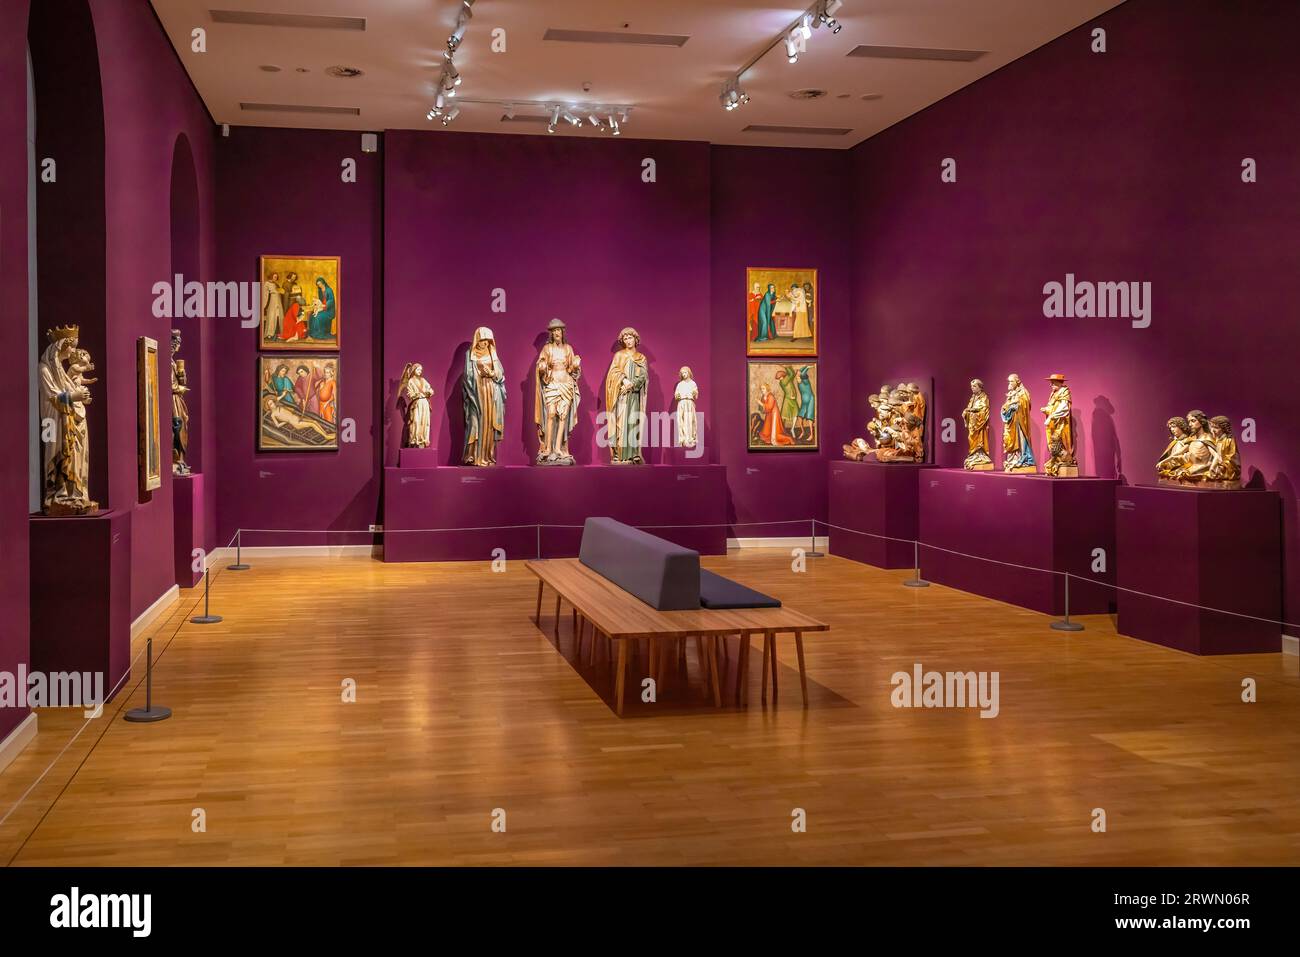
<point x="915" y="53"/>
<point x="253" y="19"/>
<point x="286" y="108"/>
<point x="343" y="72"/>
<point x="611" y="36"/>
<point x="798" y="130"/>
<point x="806" y="94"/>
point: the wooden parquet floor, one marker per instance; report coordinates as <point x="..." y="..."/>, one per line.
<point x="464" y="706"/>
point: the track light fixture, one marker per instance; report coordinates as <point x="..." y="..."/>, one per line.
<point x="462" y="24"/>
<point x="732" y="96"/>
<point x="449" y="77"/>
<point x="795" y="40"/>
<point x="555" y="119"/>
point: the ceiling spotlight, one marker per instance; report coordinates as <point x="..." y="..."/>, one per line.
<point x="431" y="114"/>
<point x="573" y="120"/>
<point x="450" y="115"/>
<point x="555" y="118"/>
<point x="805" y="26"/>
<point x="595" y="120"/>
<point x="623" y="114"/>
<point x="613" y="126"/>
<point x="833" y="7"/>
<point x="510" y="111"/>
<point x="440" y="100"/>
<point x="792" y="48"/>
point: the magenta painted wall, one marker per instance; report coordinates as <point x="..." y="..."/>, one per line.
<point x="778" y="207"/>
<point x="148" y="103"/>
<point x="15" y="370"/>
<point x="280" y="192"/>
<point x="1117" y="166"/>
<point x="566" y="227"/>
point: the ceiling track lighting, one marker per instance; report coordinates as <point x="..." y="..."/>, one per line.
<point x="795" y="39"/>
<point x="449" y="78"/>
<point x="603" y="116"/>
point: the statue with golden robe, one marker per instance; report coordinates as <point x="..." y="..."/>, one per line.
<point x="897" y="427"/>
<point x="626" y="386"/>
<point x="1017" y="448"/>
<point x="64" y="390"/>
<point x="976" y="417"/>
<point x="180" y="409"/>
<point x="1061" y="460"/>
<point x="555" y="406"/>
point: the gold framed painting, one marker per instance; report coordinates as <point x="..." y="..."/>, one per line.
<point x="148" y="414"/>
<point x="781" y="397"/>
<point x="299" y="303"/>
<point x="782" y="312"/>
<point x="297" y="403"/>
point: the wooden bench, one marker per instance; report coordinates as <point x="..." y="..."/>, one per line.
<point x="622" y="617"/>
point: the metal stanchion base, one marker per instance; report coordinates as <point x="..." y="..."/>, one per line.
<point x="144" y="715"/>
<point x="917" y="583"/>
<point x="1066" y="626"/>
<point x="240" y="567"/>
<point x="814" y="554"/>
<point x="206" y="619"/>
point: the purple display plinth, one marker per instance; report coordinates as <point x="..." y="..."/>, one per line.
<point x="873" y="510"/>
<point x="187" y="508"/>
<point x="81" y="595"/>
<point x="417" y="458"/>
<point x="1215" y="548"/>
<point x="972" y="521"/>
<point x="458" y="513"/>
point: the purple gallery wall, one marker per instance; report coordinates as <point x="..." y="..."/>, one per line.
<point x="774" y="208"/>
<point x="566" y="228"/>
<point x="281" y="192"/>
<point x="148" y="104"/>
<point x="1116" y="166"/>
<point x="15" y="369"/>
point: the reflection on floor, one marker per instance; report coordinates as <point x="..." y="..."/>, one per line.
<point x="463" y="706"/>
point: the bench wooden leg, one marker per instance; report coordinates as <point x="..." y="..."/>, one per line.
<point x="713" y="654"/>
<point x="803" y="674"/>
<point x="579" y="626"/>
<point x="557" y="614"/>
<point x="742" y="673"/>
<point x="772" y="638"/>
<point x="537" y="617"/>
<point x="767" y="665"/>
<point x="621" y="681"/>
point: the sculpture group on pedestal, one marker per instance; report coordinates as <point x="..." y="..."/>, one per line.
<point x="1201" y="450"/>
<point x="897" y="427"/>
<point x="64" y="394"/>
<point x="415" y="392"/>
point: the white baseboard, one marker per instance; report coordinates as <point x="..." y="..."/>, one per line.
<point x="18" y="739"/>
<point x="292" y="551"/>
<point x="155" y="611"/>
<point x="795" y="541"/>
<point x="1290" y="645"/>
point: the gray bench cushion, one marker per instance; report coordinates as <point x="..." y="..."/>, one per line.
<point x="663" y="575"/>
<point x="719" y="592"/>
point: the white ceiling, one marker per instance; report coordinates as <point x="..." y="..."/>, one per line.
<point x="674" y="89"/>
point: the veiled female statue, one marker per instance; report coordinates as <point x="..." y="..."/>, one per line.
<point x="1016" y="444"/>
<point x="976" y="417"/>
<point x="180" y="409"/>
<point x="64" y="395"/>
<point x="1060" y="430"/>
<point x="625" y="400"/>
<point x="483" y="394"/>
<point x="415" y="393"/>
<point x="555" y="406"/>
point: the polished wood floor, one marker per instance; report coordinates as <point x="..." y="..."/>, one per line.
<point x="464" y="706"/>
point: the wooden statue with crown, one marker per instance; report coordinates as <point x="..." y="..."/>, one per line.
<point x="64" y="393"/>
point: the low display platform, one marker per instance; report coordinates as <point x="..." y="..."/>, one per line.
<point x="478" y="510"/>
<point x="187" y="507"/>
<point x="426" y="458"/>
<point x="972" y="521"/>
<point x="82" y="622"/>
<point x="873" y="509"/>
<point x="1215" y="548"/>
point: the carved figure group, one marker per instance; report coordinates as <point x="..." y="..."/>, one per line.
<point x="897" y="427"/>
<point x="1201" y="449"/>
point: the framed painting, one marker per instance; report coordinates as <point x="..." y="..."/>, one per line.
<point x="782" y="312"/>
<point x="300" y="303"/>
<point x="297" y="403"/>
<point x="781" y="397"/>
<point x="148" y="414"/>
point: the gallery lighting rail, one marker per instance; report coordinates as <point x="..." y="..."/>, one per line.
<point x="795" y="37"/>
<point x="608" y="118"/>
<point x="449" y="76"/>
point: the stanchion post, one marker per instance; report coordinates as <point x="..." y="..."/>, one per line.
<point x="148" y="712"/>
<point x="812" y="552"/>
<point x="539" y="541"/>
<point x="1065" y="624"/>
<point x="916" y="581"/>
<point x="239" y="565"/>
<point x="206" y="618"/>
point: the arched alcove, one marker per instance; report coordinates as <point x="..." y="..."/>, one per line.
<point x="70" y="208"/>
<point x="185" y="260"/>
